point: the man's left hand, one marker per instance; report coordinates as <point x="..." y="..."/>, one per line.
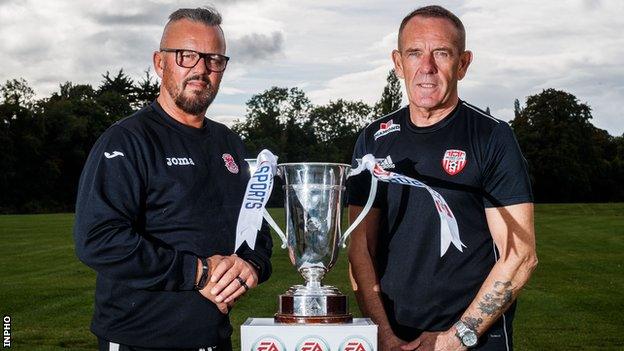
<point x="436" y="341"/>
<point x="232" y="276"/>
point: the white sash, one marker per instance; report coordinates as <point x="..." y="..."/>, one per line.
<point x="257" y="194"/>
<point x="449" y="232"/>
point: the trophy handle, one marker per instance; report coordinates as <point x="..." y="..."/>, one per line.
<point x="275" y="227"/>
<point x="367" y="207"/>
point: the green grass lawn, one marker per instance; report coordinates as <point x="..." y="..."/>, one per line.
<point x="575" y="300"/>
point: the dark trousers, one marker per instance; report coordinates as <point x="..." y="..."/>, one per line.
<point x="105" y="345"/>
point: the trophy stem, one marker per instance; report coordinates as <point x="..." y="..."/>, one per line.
<point x="313" y="276"/>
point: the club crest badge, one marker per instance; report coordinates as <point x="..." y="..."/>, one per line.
<point x="230" y="164"/>
<point x="387" y="128"/>
<point x="454" y="161"/>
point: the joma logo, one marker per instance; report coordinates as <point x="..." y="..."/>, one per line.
<point x="180" y="161"/>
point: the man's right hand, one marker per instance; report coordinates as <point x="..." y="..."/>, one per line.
<point x="233" y="277"/>
<point x="388" y="341"/>
<point x="222" y="306"/>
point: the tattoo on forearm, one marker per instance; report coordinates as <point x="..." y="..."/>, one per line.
<point x="473" y="323"/>
<point x="497" y="299"/>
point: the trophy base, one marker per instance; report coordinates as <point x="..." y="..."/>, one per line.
<point x="313" y="308"/>
<point x="290" y="319"/>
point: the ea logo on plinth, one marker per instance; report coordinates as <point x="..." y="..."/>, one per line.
<point x="312" y="343"/>
<point x="268" y="343"/>
<point x="355" y="343"/>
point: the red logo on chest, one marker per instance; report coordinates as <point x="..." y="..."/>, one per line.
<point x="230" y="164"/>
<point x="454" y="161"/>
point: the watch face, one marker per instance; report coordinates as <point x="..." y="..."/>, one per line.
<point x="469" y="339"/>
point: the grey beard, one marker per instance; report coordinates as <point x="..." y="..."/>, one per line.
<point x="194" y="105"/>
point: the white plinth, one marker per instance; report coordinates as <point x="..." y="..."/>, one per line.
<point x="264" y="334"/>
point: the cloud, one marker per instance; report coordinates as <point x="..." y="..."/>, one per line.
<point x="524" y="47"/>
<point x="334" y="50"/>
<point x="133" y="13"/>
<point x="592" y="4"/>
<point x="227" y="120"/>
<point x="353" y="86"/>
<point x="230" y="91"/>
<point x="226" y="113"/>
<point x="126" y="19"/>
<point x="256" y="47"/>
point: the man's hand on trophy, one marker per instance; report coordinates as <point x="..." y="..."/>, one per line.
<point x="232" y="277"/>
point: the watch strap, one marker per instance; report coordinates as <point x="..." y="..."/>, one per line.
<point x="463" y="329"/>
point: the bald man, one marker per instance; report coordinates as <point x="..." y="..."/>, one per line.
<point x="158" y="204"/>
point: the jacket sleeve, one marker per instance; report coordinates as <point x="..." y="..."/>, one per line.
<point x="260" y="256"/>
<point x="110" y="214"/>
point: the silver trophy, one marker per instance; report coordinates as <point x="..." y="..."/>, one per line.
<point x="313" y="206"/>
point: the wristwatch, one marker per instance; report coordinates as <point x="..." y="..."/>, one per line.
<point x="467" y="336"/>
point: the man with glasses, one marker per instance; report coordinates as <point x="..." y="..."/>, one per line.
<point x="158" y="204"/>
<point x="426" y="286"/>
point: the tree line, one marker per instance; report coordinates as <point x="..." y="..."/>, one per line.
<point x="44" y="142"/>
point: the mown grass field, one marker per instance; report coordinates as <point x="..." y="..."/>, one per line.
<point x="575" y="300"/>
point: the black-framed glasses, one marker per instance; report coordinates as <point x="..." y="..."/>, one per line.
<point x="189" y="58"/>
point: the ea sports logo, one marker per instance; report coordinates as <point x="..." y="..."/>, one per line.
<point x="355" y="343"/>
<point x="268" y="343"/>
<point x="312" y="343"/>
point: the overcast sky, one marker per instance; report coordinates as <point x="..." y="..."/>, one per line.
<point x="331" y="49"/>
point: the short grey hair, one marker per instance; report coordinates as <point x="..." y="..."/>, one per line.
<point x="206" y="15"/>
<point x="435" y="11"/>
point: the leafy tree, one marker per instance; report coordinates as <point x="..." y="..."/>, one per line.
<point x="19" y="141"/>
<point x="77" y="119"/>
<point x="517" y="108"/>
<point x="116" y="95"/>
<point x="120" y="83"/>
<point x="44" y="143"/>
<point x="145" y="91"/>
<point x="336" y="127"/>
<point x="607" y="179"/>
<point x="278" y="119"/>
<point x="559" y="142"/>
<point x="17" y="92"/>
<point x="391" y="96"/>
<point x="43" y="147"/>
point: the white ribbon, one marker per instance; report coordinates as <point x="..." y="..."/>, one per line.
<point x="257" y="194"/>
<point x="449" y="232"/>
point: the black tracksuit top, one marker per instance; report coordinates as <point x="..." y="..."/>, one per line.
<point x="153" y="196"/>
